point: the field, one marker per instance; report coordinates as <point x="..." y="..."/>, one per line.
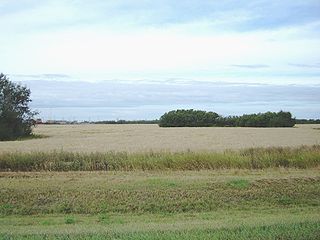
<point x="137" y="138"/>
<point x="145" y="182"/>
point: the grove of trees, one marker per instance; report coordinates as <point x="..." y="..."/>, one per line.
<point x="197" y="118"/>
<point x="16" y="117"/>
<point x="188" y="118"/>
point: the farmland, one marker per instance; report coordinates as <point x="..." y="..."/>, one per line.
<point x="146" y="182"/>
<point x="137" y="138"/>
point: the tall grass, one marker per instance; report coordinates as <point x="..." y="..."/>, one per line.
<point x="253" y="158"/>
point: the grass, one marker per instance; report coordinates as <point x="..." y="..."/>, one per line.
<point x="299" y="230"/>
<point x="239" y="183"/>
<point x="253" y="158"/>
<point x="156" y="192"/>
<point x="287" y="223"/>
<point x="279" y="203"/>
<point x="70" y="220"/>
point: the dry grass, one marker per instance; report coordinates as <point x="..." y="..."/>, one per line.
<point x="141" y="138"/>
<point x="252" y="158"/>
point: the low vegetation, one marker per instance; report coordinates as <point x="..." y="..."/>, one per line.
<point x="253" y="158"/>
<point x="276" y="204"/>
<point x="292" y="231"/>
<point x="197" y="118"/>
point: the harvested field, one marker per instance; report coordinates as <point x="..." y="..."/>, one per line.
<point x="139" y="138"/>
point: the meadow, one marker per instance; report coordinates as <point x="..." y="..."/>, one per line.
<point x="64" y="186"/>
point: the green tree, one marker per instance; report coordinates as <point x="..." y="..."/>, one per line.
<point x="188" y="118"/>
<point x="16" y="117"/>
<point x="198" y="118"/>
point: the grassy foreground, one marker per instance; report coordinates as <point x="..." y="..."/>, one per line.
<point x="295" y="230"/>
<point x="217" y="204"/>
<point x="253" y="158"/>
<point x="258" y="193"/>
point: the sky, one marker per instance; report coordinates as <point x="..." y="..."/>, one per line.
<point x="177" y="42"/>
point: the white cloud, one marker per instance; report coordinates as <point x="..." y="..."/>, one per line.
<point x="117" y="41"/>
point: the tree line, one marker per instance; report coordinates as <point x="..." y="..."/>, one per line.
<point x="307" y="121"/>
<point x="199" y="118"/>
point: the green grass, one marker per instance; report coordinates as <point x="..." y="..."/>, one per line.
<point x="70" y="220"/>
<point x="279" y="203"/>
<point x="283" y="231"/>
<point x="254" y="158"/>
<point x="192" y="228"/>
<point x="239" y="183"/>
<point x="156" y="192"/>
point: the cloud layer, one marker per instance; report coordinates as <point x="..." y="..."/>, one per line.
<point x="233" y="56"/>
<point x="200" y="40"/>
<point x="149" y="100"/>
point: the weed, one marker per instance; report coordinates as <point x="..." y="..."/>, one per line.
<point x="239" y="183"/>
<point x="104" y="218"/>
<point x="69" y="220"/>
<point x="6" y="209"/>
<point x="47" y="222"/>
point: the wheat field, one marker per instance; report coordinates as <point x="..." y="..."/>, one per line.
<point x="150" y="137"/>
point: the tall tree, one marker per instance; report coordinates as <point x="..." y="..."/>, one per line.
<point x="16" y="117"/>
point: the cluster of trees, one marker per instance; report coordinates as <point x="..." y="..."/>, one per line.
<point x="188" y="118"/>
<point x="197" y="118"/>
<point x="16" y="118"/>
<point x="268" y="119"/>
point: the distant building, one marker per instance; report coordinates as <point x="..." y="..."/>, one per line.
<point x="38" y="121"/>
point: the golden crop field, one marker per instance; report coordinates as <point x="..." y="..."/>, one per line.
<point x="141" y="138"/>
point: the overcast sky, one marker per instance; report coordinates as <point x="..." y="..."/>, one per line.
<point x="253" y="41"/>
<point x="233" y="41"/>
